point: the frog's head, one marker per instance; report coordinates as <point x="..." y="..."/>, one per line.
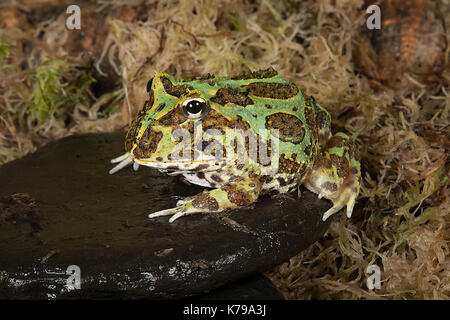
<point x="162" y="136"/>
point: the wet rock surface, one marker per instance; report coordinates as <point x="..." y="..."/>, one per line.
<point x="257" y="287"/>
<point x="59" y="207"/>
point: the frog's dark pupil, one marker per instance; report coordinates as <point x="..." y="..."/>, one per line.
<point x="149" y="85"/>
<point x="194" y="106"/>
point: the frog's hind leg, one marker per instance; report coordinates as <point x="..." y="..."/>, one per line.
<point x="336" y="174"/>
<point x="238" y="195"/>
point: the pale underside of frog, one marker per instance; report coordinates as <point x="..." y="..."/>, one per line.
<point x="260" y="106"/>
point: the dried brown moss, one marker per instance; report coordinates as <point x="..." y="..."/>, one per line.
<point x="401" y="221"/>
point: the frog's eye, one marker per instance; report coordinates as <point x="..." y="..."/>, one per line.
<point x="194" y="107"/>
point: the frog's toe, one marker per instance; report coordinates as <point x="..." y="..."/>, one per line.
<point x="346" y="198"/>
<point x="176" y="216"/>
<point x="166" y="212"/>
<point x="120" y="158"/>
<point x="183" y="208"/>
<point x="176" y="213"/>
<point x="122" y="162"/>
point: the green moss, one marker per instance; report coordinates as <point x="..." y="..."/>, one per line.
<point x="4" y="51"/>
<point x="235" y="22"/>
<point x="55" y="87"/>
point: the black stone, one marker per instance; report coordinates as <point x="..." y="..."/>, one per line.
<point x="257" y="287"/>
<point x="60" y="207"/>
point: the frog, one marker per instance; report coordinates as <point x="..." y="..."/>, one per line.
<point x="292" y="129"/>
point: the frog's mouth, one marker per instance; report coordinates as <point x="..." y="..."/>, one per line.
<point x="174" y="167"/>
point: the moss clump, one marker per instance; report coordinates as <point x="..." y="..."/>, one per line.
<point x="55" y="88"/>
<point x="4" y="51"/>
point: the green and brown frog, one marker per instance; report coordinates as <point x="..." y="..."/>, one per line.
<point x="291" y="130"/>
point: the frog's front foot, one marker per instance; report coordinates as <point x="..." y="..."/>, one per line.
<point x="176" y="213"/>
<point x="236" y="196"/>
<point x="336" y="174"/>
<point x="201" y="203"/>
<point x="345" y="196"/>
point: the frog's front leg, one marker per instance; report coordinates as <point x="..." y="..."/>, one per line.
<point x="336" y="174"/>
<point x="240" y="194"/>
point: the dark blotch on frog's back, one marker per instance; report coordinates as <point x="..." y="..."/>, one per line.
<point x="291" y="128"/>
<point x="260" y="74"/>
<point x="272" y="90"/>
<point x="232" y="95"/>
